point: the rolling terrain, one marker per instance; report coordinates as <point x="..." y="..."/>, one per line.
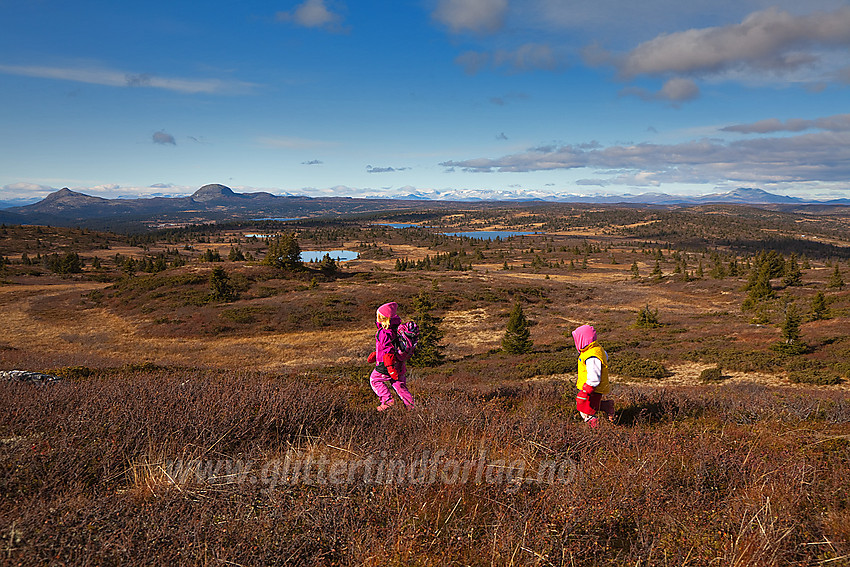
<point x="182" y="401"/>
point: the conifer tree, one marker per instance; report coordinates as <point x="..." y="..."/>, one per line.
<point x="517" y="339"/>
<point x="656" y="271"/>
<point x="793" y="275"/>
<point x="835" y="280"/>
<point x="791" y="325"/>
<point x="820" y="310"/>
<point x="635" y="270"/>
<point x="647" y="319"/>
<point x="220" y="288"/>
<point x="429" y="351"/>
<point x="284" y="252"/>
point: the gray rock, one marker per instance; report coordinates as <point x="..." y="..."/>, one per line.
<point x="27" y="376"/>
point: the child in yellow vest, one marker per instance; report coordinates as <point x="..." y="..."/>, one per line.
<point x="592" y="380"/>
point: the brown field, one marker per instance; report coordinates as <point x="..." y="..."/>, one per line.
<point x="164" y="442"/>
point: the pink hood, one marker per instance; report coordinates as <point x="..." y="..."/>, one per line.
<point x="584" y="336"/>
<point x="388" y="310"/>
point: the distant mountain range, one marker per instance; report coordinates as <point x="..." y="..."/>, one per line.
<point x="217" y="202"/>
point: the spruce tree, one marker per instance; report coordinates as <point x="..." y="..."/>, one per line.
<point x="820" y="310"/>
<point x="284" y="252"/>
<point x="429" y="351"/>
<point x="517" y="339"/>
<point x="791" y="325"/>
<point x="793" y="275"/>
<point x="835" y="280"/>
<point x="220" y="288"/>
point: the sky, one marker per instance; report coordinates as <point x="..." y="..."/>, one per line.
<point x="436" y="98"/>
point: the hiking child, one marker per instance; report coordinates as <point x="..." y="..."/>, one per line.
<point x="592" y="381"/>
<point x="388" y="369"/>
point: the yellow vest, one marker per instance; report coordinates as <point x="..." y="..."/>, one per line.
<point x="593" y="350"/>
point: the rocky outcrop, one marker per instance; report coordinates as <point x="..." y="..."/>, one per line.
<point x="27" y="376"/>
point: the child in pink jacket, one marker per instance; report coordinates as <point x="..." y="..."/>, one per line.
<point x="387" y="368"/>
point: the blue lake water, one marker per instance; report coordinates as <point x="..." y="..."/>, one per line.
<point x="489" y="234"/>
<point x="397" y="224"/>
<point x="277" y="219"/>
<point x="317" y="255"/>
<point x="480" y="234"/>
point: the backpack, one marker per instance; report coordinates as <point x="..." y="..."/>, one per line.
<point x="406" y="339"/>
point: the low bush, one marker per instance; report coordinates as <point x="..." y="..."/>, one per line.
<point x="630" y="364"/>
<point x="711" y="374"/>
<point x="814" y="377"/>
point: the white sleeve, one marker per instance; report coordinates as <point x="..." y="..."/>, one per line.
<point x="594" y="371"/>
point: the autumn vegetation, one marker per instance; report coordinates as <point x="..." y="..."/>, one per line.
<point x="215" y="407"/>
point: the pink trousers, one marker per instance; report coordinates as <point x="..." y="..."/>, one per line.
<point x="379" y="385"/>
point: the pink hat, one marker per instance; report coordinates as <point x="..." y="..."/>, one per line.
<point x="583" y="336"/>
<point x="388" y="310"/>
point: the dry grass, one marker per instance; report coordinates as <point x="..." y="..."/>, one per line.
<point x="750" y="470"/>
<point x="183" y="466"/>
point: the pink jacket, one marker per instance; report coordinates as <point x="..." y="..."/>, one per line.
<point x="384" y="349"/>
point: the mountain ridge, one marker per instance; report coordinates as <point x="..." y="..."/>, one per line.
<point x="215" y="202"/>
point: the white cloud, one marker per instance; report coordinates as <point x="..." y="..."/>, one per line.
<point x="767" y="40"/>
<point x="836" y="123"/>
<point x="815" y="157"/>
<point x="112" y="78"/>
<point x="313" y="14"/>
<point x="24" y="191"/>
<point x="674" y="91"/>
<point x="471" y="15"/>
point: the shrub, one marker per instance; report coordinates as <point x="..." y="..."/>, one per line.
<point x="814" y="377"/>
<point x="630" y="364"/>
<point x="711" y="374"/>
<point x="647" y="319"/>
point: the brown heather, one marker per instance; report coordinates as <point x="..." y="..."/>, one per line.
<point x="692" y="476"/>
<point x="177" y="433"/>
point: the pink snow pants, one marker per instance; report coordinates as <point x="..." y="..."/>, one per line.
<point x="379" y="382"/>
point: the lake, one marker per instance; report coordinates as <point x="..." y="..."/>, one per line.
<point x="489" y="234"/>
<point x="398" y="224"/>
<point x="317" y="255"/>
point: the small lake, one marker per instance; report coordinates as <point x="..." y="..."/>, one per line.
<point x="489" y="234"/>
<point x="398" y="224"/>
<point x="317" y="255"/>
<point x="277" y="219"/>
<point x="259" y="235"/>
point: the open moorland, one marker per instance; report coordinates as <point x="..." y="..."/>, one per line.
<point x="214" y="406"/>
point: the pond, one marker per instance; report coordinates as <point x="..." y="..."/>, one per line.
<point x="317" y="255"/>
<point x="489" y="234"/>
<point x="398" y="224"/>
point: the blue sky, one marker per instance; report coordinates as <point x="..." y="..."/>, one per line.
<point x="442" y="98"/>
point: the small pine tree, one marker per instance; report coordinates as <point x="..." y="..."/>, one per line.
<point x="517" y="339"/>
<point x="220" y="288"/>
<point x="656" y="271"/>
<point x="759" y="287"/>
<point x="791" y="325"/>
<point x="820" y="310"/>
<point x="647" y="319"/>
<point x="284" y="252"/>
<point x="635" y="270"/>
<point x="835" y="280"/>
<point x="793" y="275"/>
<point x="328" y="266"/>
<point x="429" y="351"/>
